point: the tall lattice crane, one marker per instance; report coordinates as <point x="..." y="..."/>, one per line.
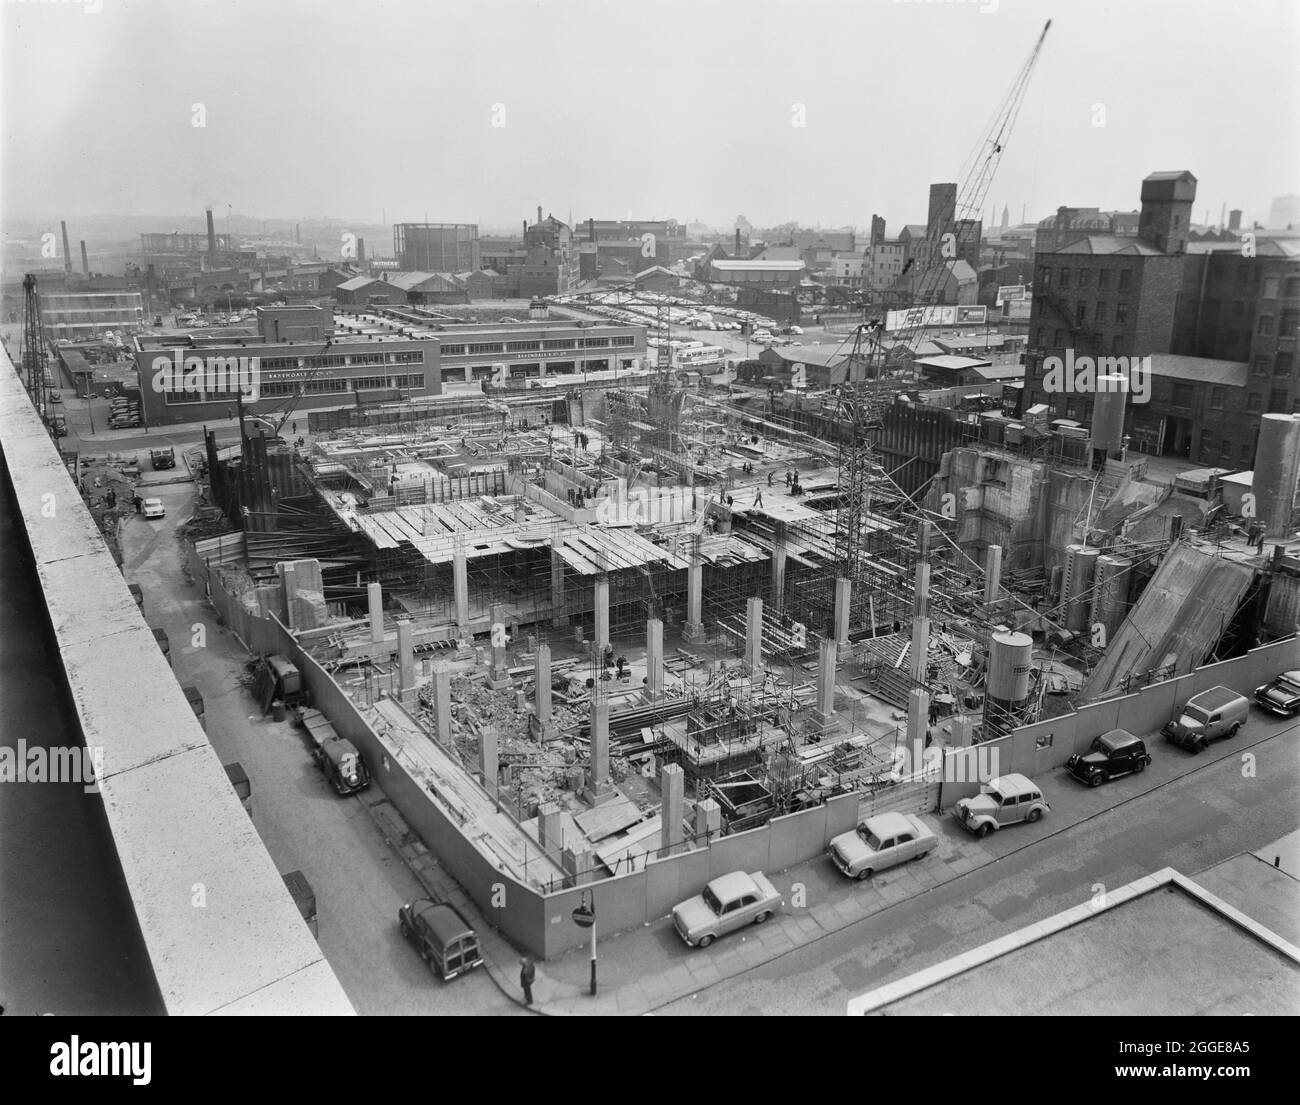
<point x="862" y="397"/>
<point x="34" y="356"/>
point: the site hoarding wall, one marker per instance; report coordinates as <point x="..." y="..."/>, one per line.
<point x="1044" y="746"/>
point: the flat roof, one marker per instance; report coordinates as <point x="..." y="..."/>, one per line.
<point x="1144" y="951"/>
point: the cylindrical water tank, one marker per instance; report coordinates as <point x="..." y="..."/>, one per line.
<point x="1277" y="467"/>
<point x="1076" y="584"/>
<point x="1110" y="588"/>
<point x="1108" y="409"/>
<point x="1010" y="658"/>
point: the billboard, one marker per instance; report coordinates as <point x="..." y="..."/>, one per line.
<point x="974" y="315"/>
<point x="1011" y="293"/>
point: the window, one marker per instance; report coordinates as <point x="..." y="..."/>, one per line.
<point x="453" y="351"/>
<point x="559" y="343"/>
<point x="1121" y="313"/>
<point x="1065" y="279"/>
<point x="1126" y="280"/>
<point x="1283" y="365"/>
<point x="523" y="346"/>
<point x="1245" y="452"/>
<point x="1117" y="345"/>
<point x="1060" y="338"/>
<point x="1259" y="367"/>
<point x="1081" y="311"/>
<point x="624" y="339"/>
<point x="485" y="347"/>
<point x="595" y="343"/>
<point x="1099" y="312"/>
<point x="1183" y="395"/>
<point x="1277" y="401"/>
<point x="1289" y="323"/>
<point x="1270" y="287"/>
<point x="368" y="383"/>
<point x="1265" y="327"/>
<point x="1292" y="289"/>
<point x="1045" y="278"/>
<point x="1218" y="397"/>
<point x="1177" y="221"/>
<point x="1254" y="401"/>
<point x="1103" y="279"/>
<point x="1038" y="340"/>
<point x="1085" y="278"/>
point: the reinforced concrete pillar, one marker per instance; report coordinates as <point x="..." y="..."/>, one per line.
<point x="598" y="771"/>
<point x="992" y="573"/>
<point x="548" y="827"/>
<point x="708" y="818"/>
<point x="918" y="716"/>
<point x="920" y="653"/>
<point x="754" y="636"/>
<point x="375" y="593"/>
<point x="578" y="863"/>
<point x="602" y="612"/>
<point x="442" y="702"/>
<point x="405" y="658"/>
<point x="460" y="582"/>
<point x="654" y="657"/>
<point x="827" y="656"/>
<point x="557" y="581"/>
<point x="693" y="630"/>
<point x="843" y="591"/>
<point x="672" y="787"/>
<point x="487" y="758"/>
<point x="542" y="689"/>
<point x="778" y="574"/>
<point x="500" y="667"/>
<point x="961" y="730"/>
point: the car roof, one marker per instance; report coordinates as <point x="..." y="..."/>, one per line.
<point x="886" y="825"/>
<point x="1014" y="783"/>
<point x="153" y="500"/>
<point x="725" y="887"/>
<point x="445" y="921"/>
<point x="1120" y="737"/>
<point x="1214" y="698"/>
<point x="1291" y="676"/>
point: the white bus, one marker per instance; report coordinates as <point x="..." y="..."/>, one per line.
<point x="703" y="356"/>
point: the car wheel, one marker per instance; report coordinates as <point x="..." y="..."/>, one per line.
<point x="1035" y="814"/>
<point x="984" y="830"/>
<point x="1200" y="746"/>
<point x="1139" y="766"/>
<point x="762" y="917"/>
<point x="1233" y="731"/>
<point x="863" y="875"/>
<point x="1094" y="780"/>
<point x="705" y="941"/>
<point x="406" y="929"/>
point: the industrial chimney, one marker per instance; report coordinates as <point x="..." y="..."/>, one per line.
<point x="212" y="242"/>
<point x="591" y="230"/>
<point x="361" y="251"/>
<point x="67" y="253"/>
<point x="737" y="241"/>
<point x="539" y="212"/>
<point x="85" y="261"/>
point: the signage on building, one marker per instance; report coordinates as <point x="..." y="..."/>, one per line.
<point x="1011" y="293"/>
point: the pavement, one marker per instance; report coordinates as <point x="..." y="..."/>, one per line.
<point x="643" y="969"/>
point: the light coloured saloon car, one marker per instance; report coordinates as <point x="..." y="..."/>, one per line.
<point x="728" y="903"/>
<point x="881" y="842"/>
<point x="1005" y="800"/>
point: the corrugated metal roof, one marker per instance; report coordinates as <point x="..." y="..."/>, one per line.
<point x="1200" y="369"/>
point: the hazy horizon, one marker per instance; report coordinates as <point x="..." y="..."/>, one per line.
<point x="384" y="112"/>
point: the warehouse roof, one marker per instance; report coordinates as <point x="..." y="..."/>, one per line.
<point x="1104" y="244"/>
<point x="1200" y="369"/>
<point x="758" y="266"/>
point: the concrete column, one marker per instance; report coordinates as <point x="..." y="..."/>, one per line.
<point x="920" y="648"/>
<point x="460" y="582"/>
<point x="406" y="658"/>
<point x="500" y="660"/>
<point x="542" y="691"/>
<point x="598" y="771"/>
<point x="918" y="716"/>
<point x="557" y="581"/>
<point x="442" y="702"/>
<point x="843" y="591"/>
<point x="376" y="595"/>
<point x="826" y="659"/>
<point x="654" y="657"/>
<point x="602" y="612"/>
<point x="548" y="827"/>
<point x="289" y="581"/>
<point x="487" y="758"/>
<point x="672" y="787"/>
<point x="578" y="863"/>
<point x="961" y="729"/>
<point x="708" y="818"/>
<point x="753" y="636"/>
<point x="992" y="573"/>
<point x="693" y="630"/>
<point x="921" y="594"/>
<point x="778" y="574"/>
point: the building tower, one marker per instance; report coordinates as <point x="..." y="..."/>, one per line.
<point x="1167" y="200"/>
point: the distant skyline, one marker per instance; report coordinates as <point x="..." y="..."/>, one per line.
<point x="664" y="110"/>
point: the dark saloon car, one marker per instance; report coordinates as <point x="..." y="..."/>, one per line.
<point x="1282" y="696"/>
<point x="1118" y="752"/>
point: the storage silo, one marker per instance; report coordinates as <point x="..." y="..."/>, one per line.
<point x="1076" y="584"/>
<point x="1108" y="407"/>
<point x="1110" y="590"/>
<point x="1277" y="468"/>
<point x="1006" y="689"/>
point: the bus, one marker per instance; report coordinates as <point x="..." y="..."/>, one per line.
<point x="704" y="356"/>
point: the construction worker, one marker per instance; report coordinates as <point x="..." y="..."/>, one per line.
<point x="758" y="497"/>
<point x="137" y="502"/>
<point x="527" y="972"/>
<point x="770" y="477"/>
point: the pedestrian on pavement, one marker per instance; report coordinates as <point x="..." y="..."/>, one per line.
<point x="527" y="972"/>
<point x="293" y="426"/>
<point x="758" y="497"/>
<point x="137" y="502"/>
<point x="770" y="476"/>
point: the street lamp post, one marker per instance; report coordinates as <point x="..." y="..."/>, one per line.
<point x="585" y="917"/>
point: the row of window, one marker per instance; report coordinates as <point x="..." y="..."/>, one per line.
<point x="343" y="360"/>
<point x="1082" y="278"/>
<point x="1120" y="345"/>
<point x="335" y="386"/>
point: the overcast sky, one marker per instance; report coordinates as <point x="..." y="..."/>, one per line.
<point x="662" y="108"/>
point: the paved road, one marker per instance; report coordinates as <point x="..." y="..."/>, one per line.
<point x="359" y="882"/>
<point x="1189" y="824"/>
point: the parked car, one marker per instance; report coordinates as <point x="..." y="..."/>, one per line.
<point x="728" y="903"/>
<point x="1112" y="754"/>
<point x="880" y="843"/>
<point x="136" y="593"/>
<point x="444" y="939"/>
<point x="153" y="508"/>
<point x="1218" y="712"/>
<point x="1006" y="800"/>
<point x="1282" y="696"/>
